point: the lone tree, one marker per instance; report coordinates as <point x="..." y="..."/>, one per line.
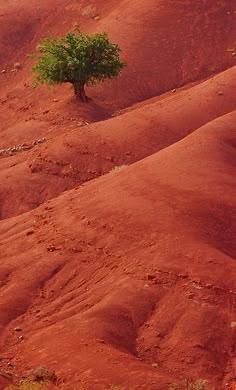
<point x="79" y="59"/>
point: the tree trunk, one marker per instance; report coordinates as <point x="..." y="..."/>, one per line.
<point x="80" y="92"/>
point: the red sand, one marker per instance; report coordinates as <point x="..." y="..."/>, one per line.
<point x="129" y="277"/>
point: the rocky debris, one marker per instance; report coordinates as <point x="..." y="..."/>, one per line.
<point x="151" y="276"/>
<point x="116" y="113"/>
<point x="3" y="71"/>
<point x="21" y="147"/>
<point x="190" y="295"/>
<point x="53" y="248"/>
<point x="153" y="279"/>
<point x="183" y="276"/>
<point x="83" y="123"/>
<point x="17" y="329"/>
<point x="101" y="341"/>
<point x="36" y="311"/>
<point x="17" y="65"/>
<point x="154" y="365"/>
<point x="30" y="232"/>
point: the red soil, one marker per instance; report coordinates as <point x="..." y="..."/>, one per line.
<point x="80" y="154"/>
<point x="166" y="43"/>
<point x="127" y="279"/>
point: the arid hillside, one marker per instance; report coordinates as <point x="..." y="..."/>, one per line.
<point x="118" y="216"/>
<point x="68" y="158"/>
<point x="166" y="43"/>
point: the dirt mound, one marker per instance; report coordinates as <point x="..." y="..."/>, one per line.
<point x="131" y="278"/>
<point x="78" y="154"/>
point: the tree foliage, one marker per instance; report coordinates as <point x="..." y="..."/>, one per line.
<point x="79" y="59"/>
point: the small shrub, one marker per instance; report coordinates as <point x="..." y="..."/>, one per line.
<point x="78" y="59"/>
<point x="42" y="374"/>
<point x="27" y="385"/>
<point x="39" y="378"/>
<point x="118" y="168"/>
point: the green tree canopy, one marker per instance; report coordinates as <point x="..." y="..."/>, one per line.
<point x="79" y="59"/>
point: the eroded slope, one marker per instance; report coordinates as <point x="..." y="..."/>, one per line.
<point x="134" y="268"/>
<point x="78" y="154"/>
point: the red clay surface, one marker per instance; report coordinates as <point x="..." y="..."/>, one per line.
<point x="73" y="154"/>
<point x="121" y="277"/>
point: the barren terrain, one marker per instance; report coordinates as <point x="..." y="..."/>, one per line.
<point x="118" y="217"/>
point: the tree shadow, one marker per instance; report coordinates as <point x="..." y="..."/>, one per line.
<point x="93" y="110"/>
